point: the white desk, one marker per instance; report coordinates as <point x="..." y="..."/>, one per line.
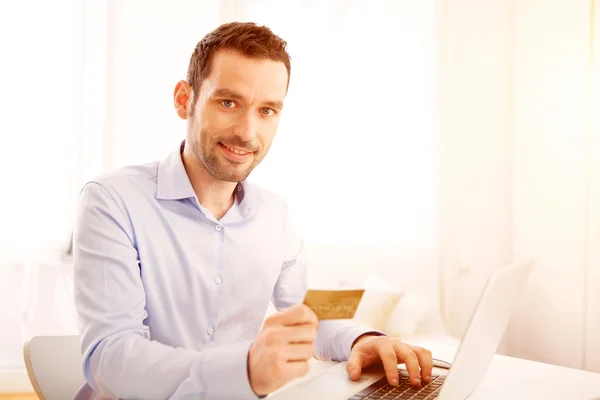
<point x="506" y="378"/>
<point x="513" y="378"/>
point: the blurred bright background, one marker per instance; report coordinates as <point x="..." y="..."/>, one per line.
<point x="424" y="143"/>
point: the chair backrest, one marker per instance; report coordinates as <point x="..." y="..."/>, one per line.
<point x="54" y="366"/>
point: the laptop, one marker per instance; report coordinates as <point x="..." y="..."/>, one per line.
<point x="468" y="368"/>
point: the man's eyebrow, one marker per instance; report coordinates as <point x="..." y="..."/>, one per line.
<point x="278" y="105"/>
<point x="227" y="93"/>
<point x="230" y="94"/>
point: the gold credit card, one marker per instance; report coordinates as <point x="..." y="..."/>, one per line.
<point x="333" y="304"/>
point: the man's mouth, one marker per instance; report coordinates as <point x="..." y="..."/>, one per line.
<point x="236" y="150"/>
<point x="235" y="154"/>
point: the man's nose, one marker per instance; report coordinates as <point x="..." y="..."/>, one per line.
<point x="245" y="127"/>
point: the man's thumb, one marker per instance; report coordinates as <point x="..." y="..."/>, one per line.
<point x="354" y="366"/>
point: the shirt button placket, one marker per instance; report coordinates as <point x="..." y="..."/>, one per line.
<point x="217" y="281"/>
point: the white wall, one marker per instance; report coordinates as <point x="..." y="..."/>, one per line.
<point x="515" y="168"/>
<point x="592" y="354"/>
<point x="550" y="177"/>
<point x="476" y="56"/>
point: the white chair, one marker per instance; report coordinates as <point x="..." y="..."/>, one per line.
<point x="54" y="366"/>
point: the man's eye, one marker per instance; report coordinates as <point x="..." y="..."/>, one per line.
<point x="228" y="103"/>
<point x="267" y="112"/>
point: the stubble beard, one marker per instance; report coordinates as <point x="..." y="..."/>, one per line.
<point x="220" y="168"/>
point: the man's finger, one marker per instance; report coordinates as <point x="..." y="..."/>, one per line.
<point x="425" y="361"/>
<point x="285" y="335"/>
<point x="298" y="352"/>
<point x="354" y="366"/>
<point x="296" y="315"/>
<point x="410" y="359"/>
<point x="389" y="359"/>
<point x="306" y="333"/>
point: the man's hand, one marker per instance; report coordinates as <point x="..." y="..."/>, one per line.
<point x="282" y="349"/>
<point x="371" y="350"/>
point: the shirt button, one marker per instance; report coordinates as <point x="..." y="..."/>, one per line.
<point x="210" y="331"/>
<point x="218" y="227"/>
<point x="218" y="280"/>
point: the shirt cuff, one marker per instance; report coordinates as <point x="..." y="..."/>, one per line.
<point x="335" y="338"/>
<point x="223" y="372"/>
<point x="352" y="335"/>
<point x="370" y="333"/>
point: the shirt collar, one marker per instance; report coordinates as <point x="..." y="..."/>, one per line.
<point x="245" y="196"/>
<point x="173" y="183"/>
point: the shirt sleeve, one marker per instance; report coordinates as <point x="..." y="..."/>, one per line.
<point x="120" y="359"/>
<point x="334" y="338"/>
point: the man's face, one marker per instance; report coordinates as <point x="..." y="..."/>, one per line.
<point x="235" y="118"/>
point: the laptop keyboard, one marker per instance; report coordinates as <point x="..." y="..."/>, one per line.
<point x="384" y="391"/>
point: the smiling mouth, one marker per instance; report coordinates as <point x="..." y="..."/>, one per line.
<point x="235" y="154"/>
<point x="236" y="150"/>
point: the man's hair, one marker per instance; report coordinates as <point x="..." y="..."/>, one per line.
<point x="246" y="38"/>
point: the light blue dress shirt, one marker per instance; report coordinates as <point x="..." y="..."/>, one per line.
<point x="169" y="299"/>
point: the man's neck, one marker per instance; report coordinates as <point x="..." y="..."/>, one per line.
<point x="215" y="195"/>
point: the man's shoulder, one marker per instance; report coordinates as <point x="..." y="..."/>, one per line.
<point x="132" y="178"/>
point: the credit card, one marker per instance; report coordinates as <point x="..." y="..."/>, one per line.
<point x="333" y="304"/>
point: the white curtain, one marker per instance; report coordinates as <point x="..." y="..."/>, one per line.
<point x="41" y="102"/>
<point x="40" y="77"/>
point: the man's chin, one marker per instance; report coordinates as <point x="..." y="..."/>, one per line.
<point x="227" y="170"/>
<point x="232" y="176"/>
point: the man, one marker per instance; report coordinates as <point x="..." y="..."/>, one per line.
<point x="176" y="261"/>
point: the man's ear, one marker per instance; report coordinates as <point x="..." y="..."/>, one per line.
<point x="181" y="98"/>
